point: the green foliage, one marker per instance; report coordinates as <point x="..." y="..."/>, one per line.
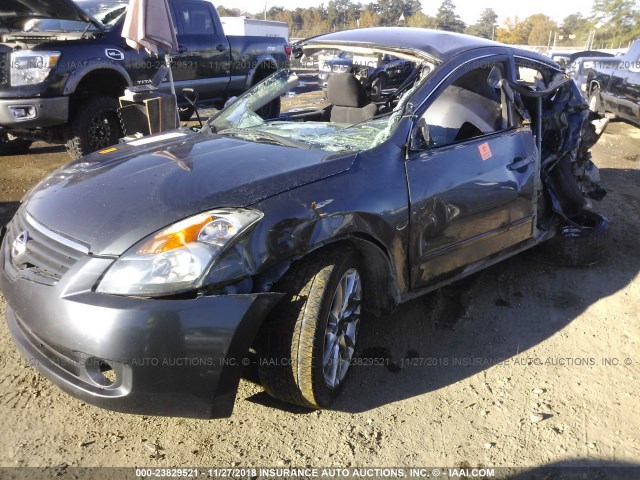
<point x="533" y="30"/>
<point x="541" y="29"/>
<point x="391" y="10"/>
<point x="486" y="26"/>
<point x="617" y="22"/>
<point x="232" y="12"/>
<point x="574" y="30"/>
<point x="421" y="20"/>
<point x="447" y="19"/>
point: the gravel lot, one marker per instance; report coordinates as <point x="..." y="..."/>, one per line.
<point x="522" y="365"/>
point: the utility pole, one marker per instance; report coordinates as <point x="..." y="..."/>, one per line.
<point x="265" y="10"/>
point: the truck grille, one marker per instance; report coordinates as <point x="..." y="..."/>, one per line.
<point x="35" y="253"/>
<point x="4" y="69"/>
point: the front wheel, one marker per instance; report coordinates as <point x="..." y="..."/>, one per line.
<point x="580" y="243"/>
<point x="96" y="126"/>
<point x="12" y="145"/>
<point x="306" y="347"/>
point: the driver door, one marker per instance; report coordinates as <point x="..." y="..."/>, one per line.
<point x="472" y="183"/>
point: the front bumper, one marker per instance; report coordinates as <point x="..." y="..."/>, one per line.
<point x="41" y="112"/>
<point x="167" y="357"/>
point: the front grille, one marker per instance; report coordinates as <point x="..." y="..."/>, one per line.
<point x="4" y="69"/>
<point x="43" y="256"/>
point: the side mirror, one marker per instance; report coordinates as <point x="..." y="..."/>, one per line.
<point x="420" y="138"/>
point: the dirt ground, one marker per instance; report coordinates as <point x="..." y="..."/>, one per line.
<point x="522" y="365"/>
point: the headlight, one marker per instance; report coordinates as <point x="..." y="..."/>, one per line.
<point x="177" y="258"/>
<point x="31" y="68"/>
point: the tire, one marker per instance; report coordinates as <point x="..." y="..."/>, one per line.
<point x="12" y="145"/>
<point x="271" y="109"/>
<point x="295" y="362"/>
<point x="595" y="101"/>
<point x="185" y="113"/>
<point x="95" y="126"/>
<point x="578" y="246"/>
<point x="377" y="86"/>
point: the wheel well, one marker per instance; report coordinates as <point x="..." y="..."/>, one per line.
<point x="102" y="83"/>
<point x="263" y="71"/>
<point x="378" y="276"/>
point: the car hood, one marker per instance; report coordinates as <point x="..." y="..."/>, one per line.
<point x="114" y="198"/>
<point x="54" y="9"/>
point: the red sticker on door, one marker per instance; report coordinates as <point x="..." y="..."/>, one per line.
<point x="485" y="151"/>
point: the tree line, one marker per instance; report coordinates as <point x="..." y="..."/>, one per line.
<point x="611" y="24"/>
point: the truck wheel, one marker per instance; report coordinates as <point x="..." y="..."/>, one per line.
<point x="595" y="101"/>
<point x="271" y="109"/>
<point x="12" y="145"/>
<point x="185" y="113"/>
<point x="578" y="246"/>
<point x="307" y="343"/>
<point x="95" y="126"/>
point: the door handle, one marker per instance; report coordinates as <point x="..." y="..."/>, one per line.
<point x="182" y="49"/>
<point x="220" y="47"/>
<point x="520" y="162"/>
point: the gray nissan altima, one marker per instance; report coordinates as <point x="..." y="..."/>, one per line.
<point x="139" y="278"/>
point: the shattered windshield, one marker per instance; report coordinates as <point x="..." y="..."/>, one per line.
<point x="290" y="109"/>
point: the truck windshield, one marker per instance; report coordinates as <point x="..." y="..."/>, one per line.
<point x="282" y="109"/>
<point x="108" y="13"/>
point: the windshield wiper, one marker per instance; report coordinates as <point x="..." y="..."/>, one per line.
<point x="277" y="139"/>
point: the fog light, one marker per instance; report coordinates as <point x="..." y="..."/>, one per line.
<point x="101" y="372"/>
<point x="23" y="112"/>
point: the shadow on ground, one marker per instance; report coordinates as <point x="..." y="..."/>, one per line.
<point x="578" y="469"/>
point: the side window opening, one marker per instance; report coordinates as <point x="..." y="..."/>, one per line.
<point x="468" y="108"/>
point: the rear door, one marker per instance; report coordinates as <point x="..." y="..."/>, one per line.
<point x="204" y="60"/>
<point x="472" y="185"/>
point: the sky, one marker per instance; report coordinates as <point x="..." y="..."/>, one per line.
<point x="469" y="10"/>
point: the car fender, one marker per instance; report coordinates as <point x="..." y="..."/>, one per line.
<point x="92" y="65"/>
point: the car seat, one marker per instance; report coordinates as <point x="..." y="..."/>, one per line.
<point x="349" y="100"/>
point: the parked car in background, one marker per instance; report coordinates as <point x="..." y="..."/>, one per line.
<point x="341" y="63"/>
<point x="580" y="63"/>
<point x="377" y="74"/>
<point x="613" y="84"/>
<point x="269" y="237"/>
<point x="63" y="65"/>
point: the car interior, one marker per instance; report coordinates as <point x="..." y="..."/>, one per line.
<point x="472" y="106"/>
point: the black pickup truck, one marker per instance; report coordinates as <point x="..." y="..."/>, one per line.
<point x="63" y="64"/>
<point x="613" y="84"/>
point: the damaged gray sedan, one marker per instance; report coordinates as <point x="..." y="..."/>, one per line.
<point x="144" y="277"/>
